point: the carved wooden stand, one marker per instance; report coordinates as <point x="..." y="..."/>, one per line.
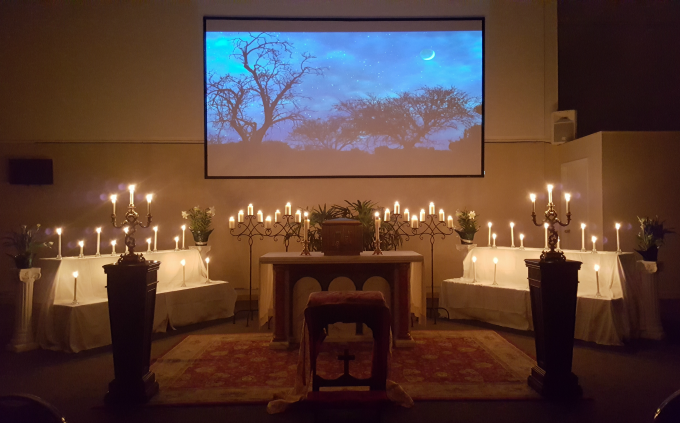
<point x="132" y="300"/>
<point x="553" y="287"/>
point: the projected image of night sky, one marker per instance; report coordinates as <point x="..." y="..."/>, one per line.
<point x="344" y="91"/>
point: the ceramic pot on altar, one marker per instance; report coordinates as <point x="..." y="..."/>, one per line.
<point x="466" y="238"/>
<point x="201" y="237"/>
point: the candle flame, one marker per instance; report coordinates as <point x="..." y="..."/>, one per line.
<point x="184" y="227"/>
<point x="75" y="274"/>
<point x="155" y="228"/>
<point x="131" y="188"/>
<point x="618" y="226"/>
<point x="231" y="219"/>
<point x="114" y="198"/>
<point x="113" y="242"/>
<point x="269" y="218"/>
<point x="58" y="231"/>
<point x="377" y="214"/>
<point x="495" y="260"/>
<point x="521" y="236"/>
<point x="545" y="225"/>
<point x="183" y="262"/>
<point x="550" y="188"/>
<point x="474" y="259"/>
<point x="125" y="229"/>
<point x="597" y="268"/>
<point x="533" y="197"/>
<point x="306" y="214"/>
<point x="583" y="225"/>
<point x="567" y="197"/>
<point x="512" y="224"/>
<point x="99" y="230"/>
<point x="176" y="238"/>
<point x="207" y="259"/>
<point x="81" y="243"/>
<point x="594" y="238"/>
<point x="490" y="224"/>
<point x="493" y="236"/>
<point x="149" y="197"/>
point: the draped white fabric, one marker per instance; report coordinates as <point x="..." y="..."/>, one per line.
<point x="67" y="327"/>
<point x="608" y="320"/>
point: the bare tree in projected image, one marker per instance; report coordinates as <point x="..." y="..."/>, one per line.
<point x="269" y="81"/>
<point x="334" y="133"/>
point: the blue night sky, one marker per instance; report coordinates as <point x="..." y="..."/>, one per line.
<point x="361" y="63"/>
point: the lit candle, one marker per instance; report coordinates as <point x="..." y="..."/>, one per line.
<point x="422" y="215"/>
<point x="82" y="245"/>
<point x="594" y="239"/>
<point x="99" y="238"/>
<point x="387" y="215"/>
<point x="583" y="236"/>
<point x="260" y="216"/>
<point x="240" y="216"/>
<point x="155" y="238"/>
<point x="277" y="216"/>
<point x="113" y="247"/>
<point x="250" y="209"/>
<point x="397" y="207"/>
<point x="176" y="243"/>
<point x="298" y="216"/>
<point x="490" y="224"/>
<point x="521" y="241"/>
<point x="441" y="215"/>
<point x="474" y="271"/>
<point x="268" y="222"/>
<point x="113" y="201"/>
<point x="618" y="244"/>
<point x="184" y="274"/>
<point x="495" y="263"/>
<point x="148" y="247"/>
<point x="306" y="226"/>
<point x="207" y="270"/>
<point x="597" y="280"/>
<point x="567" y="197"/>
<point x="494" y="240"/>
<point x="148" y="203"/>
<point x="377" y="228"/>
<point x="449" y="222"/>
<point x="287" y="210"/>
<point x="75" y="287"/>
<point x="512" y="234"/>
<point x="533" y="201"/>
<point x="550" y="188"/>
<point x="132" y="194"/>
<point x="184" y="228"/>
<point x="431" y="209"/>
<point x="59" y="243"/>
<point x="126" y="230"/>
<point x="232" y="223"/>
<point x="407" y="215"/>
<point x="545" y="226"/>
<point x="558" y="242"/>
<point x="414" y="222"/>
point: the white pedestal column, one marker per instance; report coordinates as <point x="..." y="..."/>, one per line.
<point x="23" y="339"/>
<point x="648" y="301"/>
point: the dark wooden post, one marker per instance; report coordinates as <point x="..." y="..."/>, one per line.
<point x="553" y="287"/>
<point x="131" y="290"/>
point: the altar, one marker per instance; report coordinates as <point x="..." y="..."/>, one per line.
<point x="64" y="326"/>
<point x="397" y="274"/>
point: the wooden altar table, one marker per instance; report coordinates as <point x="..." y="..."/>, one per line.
<point x="401" y="269"/>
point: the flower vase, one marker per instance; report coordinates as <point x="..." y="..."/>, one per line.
<point x="466" y="238"/>
<point x="650" y="254"/>
<point x="201" y="237"/>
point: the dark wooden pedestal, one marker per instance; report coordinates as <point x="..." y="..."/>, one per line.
<point x="132" y="300"/>
<point x="553" y="287"/>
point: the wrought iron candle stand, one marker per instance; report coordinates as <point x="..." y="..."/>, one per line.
<point x="431" y="227"/>
<point x="131" y="222"/>
<point x="250" y="228"/>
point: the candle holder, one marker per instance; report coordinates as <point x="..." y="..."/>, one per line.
<point x="552" y="254"/>
<point x="131" y="222"/>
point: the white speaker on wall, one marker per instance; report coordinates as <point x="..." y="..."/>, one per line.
<point x="563" y="126"/>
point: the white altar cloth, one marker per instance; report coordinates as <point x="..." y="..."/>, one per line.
<point x="66" y="327"/>
<point x="608" y="320"/>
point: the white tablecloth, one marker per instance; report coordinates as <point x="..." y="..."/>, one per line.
<point x="72" y="328"/>
<point x="608" y="320"/>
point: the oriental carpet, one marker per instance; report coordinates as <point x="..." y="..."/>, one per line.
<point x="443" y="365"/>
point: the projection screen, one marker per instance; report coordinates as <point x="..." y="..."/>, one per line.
<point x="301" y="98"/>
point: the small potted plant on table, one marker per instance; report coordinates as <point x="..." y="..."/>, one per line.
<point x="651" y="237"/>
<point x="467" y="220"/>
<point x="201" y="219"/>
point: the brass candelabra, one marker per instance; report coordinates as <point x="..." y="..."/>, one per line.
<point x="131" y="222"/>
<point x="553" y="254"/>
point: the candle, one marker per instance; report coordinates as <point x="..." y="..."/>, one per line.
<point x="75" y="288"/>
<point x="495" y="263"/>
<point x="287" y="210"/>
<point x="184" y="228"/>
<point x="148" y="203"/>
<point x="449" y="222"/>
<point x="618" y="244"/>
<point x="155" y="238"/>
<point x="207" y="270"/>
<point x="268" y="222"/>
<point x="176" y="243"/>
<point x="113" y="247"/>
<point x="521" y="241"/>
<point x="250" y="209"/>
<point x="232" y="223"/>
<point x="474" y="271"/>
<point x="99" y="238"/>
<point x="490" y="224"/>
<point x="558" y="242"/>
<point x="397" y="207"/>
<point x="422" y="215"/>
<point x="59" y="243"/>
<point x="414" y="222"/>
<point x="387" y="215"/>
<point x="298" y="216"/>
<point x="260" y="216"/>
<point x="583" y="236"/>
<point x="512" y="234"/>
<point x="407" y="215"/>
<point x="550" y="188"/>
<point x="567" y="197"/>
<point x="441" y="215"/>
<point x="306" y="226"/>
<point x="82" y="244"/>
<point x="113" y="201"/>
<point x="240" y="216"/>
<point x="597" y="280"/>
<point x="148" y="247"/>
<point x="533" y="201"/>
<point x="184" y="274"/>
<point x="377" y="228"/>
<point x="125" y="229"/>
<point x="431" y="209"/>
<point x="545" y="226"/>
<point x="132" y="195"/>
<point x="594" y="239"/>
<point x="494" y="240"/>
<point x="277" y="216"/>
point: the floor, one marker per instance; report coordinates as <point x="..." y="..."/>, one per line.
<point x="620" y="384"/>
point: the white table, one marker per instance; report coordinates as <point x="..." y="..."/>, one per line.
<point x="608" y="320"/>
<point x="71" y="327"/>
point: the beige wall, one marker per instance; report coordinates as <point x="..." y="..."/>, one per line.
<point x="79" y="79"/>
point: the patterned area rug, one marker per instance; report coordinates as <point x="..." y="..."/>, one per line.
<point x="443" y="365"/>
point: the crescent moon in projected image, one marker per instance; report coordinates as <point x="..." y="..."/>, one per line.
<point x="427" y="54"/>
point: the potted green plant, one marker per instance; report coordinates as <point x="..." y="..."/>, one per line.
<point x="26" y="243"/>
<point x="200" y="219"/>
<point x="651" y="237"/>
<point x="467" y="220"/>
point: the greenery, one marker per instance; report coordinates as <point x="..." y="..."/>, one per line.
<point x="468" y="224"/>
<point x="26" y="243"/>
<point x="201" y="219"/>
<point x="651" y="233"/>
